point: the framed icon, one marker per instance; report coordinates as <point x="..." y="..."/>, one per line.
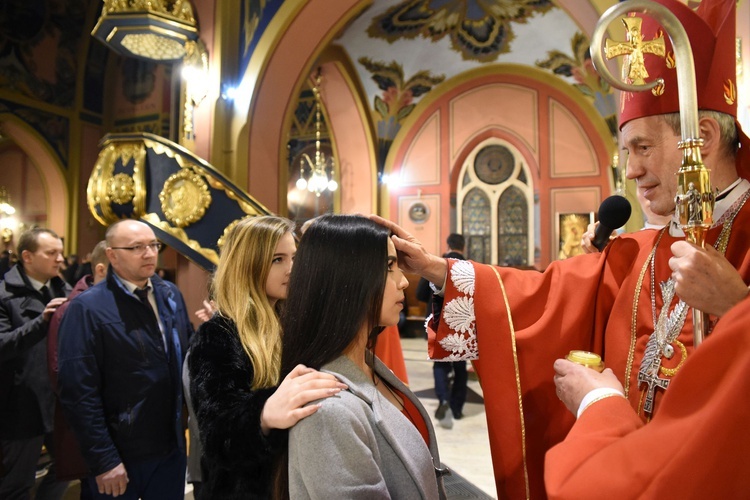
<point x="570" y="229"/>
<point x="419" y="212"/>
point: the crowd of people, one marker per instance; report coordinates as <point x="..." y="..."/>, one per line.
<point x="285" y="398"/>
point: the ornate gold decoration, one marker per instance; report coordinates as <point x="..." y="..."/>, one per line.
<point x="181" y="9"/>
<point x="99" y="194"/>
<point x="670" y="61"/>
<point x="156" y="30"/>
<point x="634" y="49"/>
<point x="184" y="198"/>
<point x="121" y="188"/>
<point x="181" y="235"/>
<point x="671" y="372"/>
<point x="658" y="89"/>
<point x="7" y="235"/>
<point x="228" y="229"/>
<point x="730" y="92"/>
<point x="519" y="392"/>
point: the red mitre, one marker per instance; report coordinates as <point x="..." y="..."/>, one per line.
<point x="711" y="29"/>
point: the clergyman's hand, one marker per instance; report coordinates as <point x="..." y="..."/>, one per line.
<point x="705" y="279"/>
<point x="113" y="482"/>
<point x="587" y="242"/>
<point x="412" y="256"/>
<point x="574" y="381"/>
<point x="286" y="406"/>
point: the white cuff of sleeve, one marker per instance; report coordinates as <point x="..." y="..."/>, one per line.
<point x="595" y="395"/>
<point x="440" y="292"/>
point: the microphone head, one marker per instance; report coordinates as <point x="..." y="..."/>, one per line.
<point x="614" y="212"/>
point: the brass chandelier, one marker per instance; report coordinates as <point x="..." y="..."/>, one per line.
<point x="317" y="175"/>
<point x="155" y="30"/>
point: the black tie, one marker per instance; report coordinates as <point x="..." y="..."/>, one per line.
<point x="46" y="296"/>
<point x="142" y="294"/>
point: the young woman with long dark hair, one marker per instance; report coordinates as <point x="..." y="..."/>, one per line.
<point x="373" y="440"/>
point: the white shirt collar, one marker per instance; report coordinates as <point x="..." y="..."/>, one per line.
<point x="38" y="284"/>
<point x="132" y="286"/>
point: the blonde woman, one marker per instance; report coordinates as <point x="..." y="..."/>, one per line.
<point x="242" y="407"/>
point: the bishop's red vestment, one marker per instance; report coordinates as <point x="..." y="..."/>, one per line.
<point x="516" y="323"/>
<point x="695" y="447"/>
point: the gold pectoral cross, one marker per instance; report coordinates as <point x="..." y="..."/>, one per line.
<point x="634" y="49"/>
<point x="652" y="380"/>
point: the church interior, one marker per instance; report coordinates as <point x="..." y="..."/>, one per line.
<point x="481" y="118"/>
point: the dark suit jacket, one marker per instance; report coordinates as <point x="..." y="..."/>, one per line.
<point x="120" y="389"/>
<point x="26" y="398"/>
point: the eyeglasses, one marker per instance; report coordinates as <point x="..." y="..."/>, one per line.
<point x="141" y="249"/>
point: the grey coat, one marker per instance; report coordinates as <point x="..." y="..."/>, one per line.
<point x="359" y="445"/>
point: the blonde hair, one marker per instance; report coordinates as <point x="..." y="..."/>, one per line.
<point x="239" y="290"/>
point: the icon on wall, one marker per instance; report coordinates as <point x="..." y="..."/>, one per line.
<point x="570" y="229"/>
<point x="419" y="212"/>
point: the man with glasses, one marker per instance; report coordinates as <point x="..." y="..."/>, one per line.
<point x="121" y="349"/>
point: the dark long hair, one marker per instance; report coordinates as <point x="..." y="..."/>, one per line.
<point x="336" y="285"/>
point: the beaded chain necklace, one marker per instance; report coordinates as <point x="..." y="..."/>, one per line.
<point x="668" y="325"/>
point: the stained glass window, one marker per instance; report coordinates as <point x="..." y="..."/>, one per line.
<point x="495" y="198"/>
<point x="512" y="228"/>
<point x="476" y="224"/>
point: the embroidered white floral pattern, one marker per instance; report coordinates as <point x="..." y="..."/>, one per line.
<point x="458" y="315"/>
<point x="462" y="276"/>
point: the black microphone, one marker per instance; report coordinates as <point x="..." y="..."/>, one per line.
<point x="614" y="212"/>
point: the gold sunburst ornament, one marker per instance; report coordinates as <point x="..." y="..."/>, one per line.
<point x="121" y="188"/>
<point x="184" y="198"/>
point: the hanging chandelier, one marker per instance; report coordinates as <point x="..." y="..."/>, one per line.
<point x="316" y="175"/>
<point x="151" y="30"/>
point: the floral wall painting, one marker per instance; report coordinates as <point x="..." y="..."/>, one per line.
<point x="397" y="100"/>
<point x="579" y="67"/>
<point x="479" y="31"/>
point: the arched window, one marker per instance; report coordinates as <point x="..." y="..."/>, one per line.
<point x="495" y="201"/>
<point x="477" y="225"/>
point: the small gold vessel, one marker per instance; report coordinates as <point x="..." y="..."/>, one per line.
<point x="587" y="359"/>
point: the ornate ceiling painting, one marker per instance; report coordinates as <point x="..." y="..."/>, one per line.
<point x="406" y="49"/>
<point x="31" y="27"/>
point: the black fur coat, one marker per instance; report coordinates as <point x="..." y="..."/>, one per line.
<point x="238" y="460"/>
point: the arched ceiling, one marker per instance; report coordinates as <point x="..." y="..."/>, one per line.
<point x="415" y="45"/>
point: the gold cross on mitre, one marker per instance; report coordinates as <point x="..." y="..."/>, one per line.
<point x="634" y="49"/>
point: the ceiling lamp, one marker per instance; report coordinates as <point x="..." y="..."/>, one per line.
<point x="147" y="29"/>
<point x="318" y="176"/>
<point x="6" y="209"/>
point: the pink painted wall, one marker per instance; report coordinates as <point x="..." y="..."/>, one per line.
<point x="554" y="132"/>
<point x="90" y="231"/>
<point x="53" y="188"/>
<point x="25" y="187"/>
<point x="353" y="142"/>
<point x="291" y="58"/>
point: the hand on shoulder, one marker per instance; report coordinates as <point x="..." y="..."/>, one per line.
<point x="288" y="403"/>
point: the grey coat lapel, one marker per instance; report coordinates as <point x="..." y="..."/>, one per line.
<point x="388" y="418"/>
